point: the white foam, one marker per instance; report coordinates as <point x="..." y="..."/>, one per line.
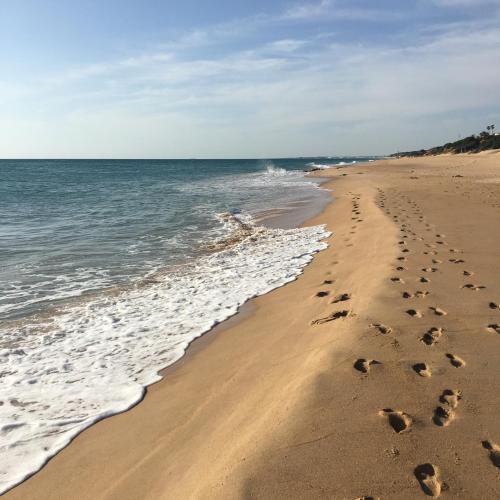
<point x="271" y="169"/>
<point x="318" y="165"/>
<point x="94" y="359"/>
<point x="18" y="296"/>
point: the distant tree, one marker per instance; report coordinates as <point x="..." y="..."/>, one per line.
<point x="492" y="127"/>
<point x="488" y="128"/>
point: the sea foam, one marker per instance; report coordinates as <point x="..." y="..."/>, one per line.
<point x="94" y="359"/>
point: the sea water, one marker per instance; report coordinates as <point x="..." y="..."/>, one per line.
<point x="109" y="269"/>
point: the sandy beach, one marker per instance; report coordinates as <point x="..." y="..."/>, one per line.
<point x="373" y="375"/>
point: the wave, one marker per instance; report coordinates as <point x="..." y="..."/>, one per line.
<point x="330" y="165"/>
<point x="273" y="170"/>
<point x="318" y="165"/>
<point x="107" y="349"/>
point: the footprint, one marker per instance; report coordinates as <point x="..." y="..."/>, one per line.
<point x="468" y="273"/>
<point x="363" y="365"/>
<point x="457" y="261"/>
<point x="341" y="298"/>
<point x="432" y="336"/>
<point x="419" y="294"/>
<point x="454" y="250"/>
<point x="470" y="286"/>
<point x="400" y="268"/>
<point x="332" y="317"/>
<point x="438" y="311"/>
<point x="397" y="280"/>
<point x="422" y="369"/>
<point x="443" y="416"/>
<point x="494" y="305"/>
<point x="494" y="450"/>
<point x="402" y="258"/>
<point x="414" y="313"/>
<point x="437" y="261"/>
<point x="494" y="327"/>
<point x="407" y="295"/>
<point x="423" y="279"/>
<point x="450" y="397"/>
<point x="381" y="328"/>
<point x="328" y="282"/>
<point x="322" y="294"/>
<point x="368" y="498"/>
<point x="455" y="360"/>
<point x="428" y="477"/>
<point x="429" y="269"/>
<point x="398" y="420"/>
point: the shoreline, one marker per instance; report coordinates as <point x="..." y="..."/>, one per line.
<point x="289" y="378"/>
<point x="283" y="220"/>
<point x="290" y="217"/>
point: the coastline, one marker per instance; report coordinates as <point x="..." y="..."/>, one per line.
<point x="229" y="419"/>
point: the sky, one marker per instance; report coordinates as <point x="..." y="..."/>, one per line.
<point x="241" y="79"/>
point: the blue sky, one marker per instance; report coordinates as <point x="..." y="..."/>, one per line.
<point x="219" y="78"/>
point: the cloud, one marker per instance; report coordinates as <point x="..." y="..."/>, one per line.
<point x="307" y="10"/>
<point x="465" y="3"/>
<point x="283" y="95"/>
<point x="286" y="45"/>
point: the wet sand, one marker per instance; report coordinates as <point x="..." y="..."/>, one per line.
<point x="374" y="374"/>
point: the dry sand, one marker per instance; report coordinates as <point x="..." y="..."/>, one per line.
<point x="375" y="374"/>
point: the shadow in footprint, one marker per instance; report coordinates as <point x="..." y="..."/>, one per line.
<point x="363" y="365"/>
<point x="429" y="269"/>
<point x="494" y="450"/>
<point x="475" y="288"/>
<point x="443" y="416"/>
<point x="422" y="369"/>
<point x="432" y="336"/>
<point x="396" y="279"/>
<point x="398" y="420"/>
<point x="381" y="328"/>
<point x="341" y="298"/>
<point x="450" y="397"/>
<point x="414" y="313"/>
<point x="428" y="477"/>
<point x="455" y="360"/>
<point x="438" y="311"/>
<point x="332" y="317"/>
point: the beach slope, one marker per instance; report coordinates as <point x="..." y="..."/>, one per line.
<point x="374" y="374"/>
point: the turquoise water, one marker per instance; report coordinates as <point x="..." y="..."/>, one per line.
<point x="109" y="269"/>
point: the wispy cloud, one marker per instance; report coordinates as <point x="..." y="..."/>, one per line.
<point x="465" y="3"/>
<point x="308" y="10"/>
<point x="281" y="95"/>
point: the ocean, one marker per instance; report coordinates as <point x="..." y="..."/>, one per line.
<point x="110" y="268"/>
